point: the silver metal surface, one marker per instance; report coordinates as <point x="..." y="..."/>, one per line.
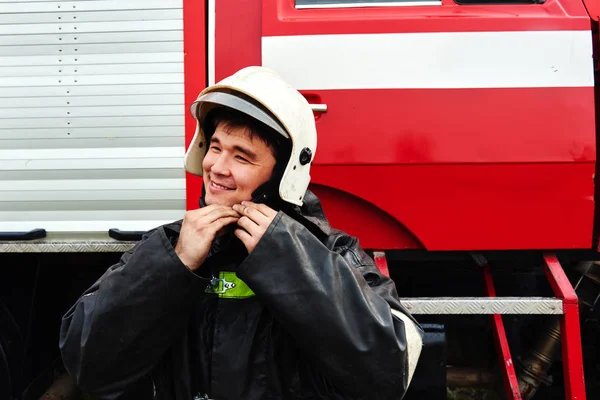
<point x="107" y="245"/>
<point x="483" y="305"/>
<point x="319" y="107"/>
<point x="110" y="5"/>
<point x="304" y="5"/>
<point x="533" y="367"/>
<point x="92" y="109"/>
<point x="463" y="377"/>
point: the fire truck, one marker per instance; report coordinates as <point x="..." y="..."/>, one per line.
<point x="457" y="141"/>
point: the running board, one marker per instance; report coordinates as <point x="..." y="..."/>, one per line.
<point x="482" y="305"/>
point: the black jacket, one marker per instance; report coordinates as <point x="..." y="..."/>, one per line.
<point x="314" y="320"/>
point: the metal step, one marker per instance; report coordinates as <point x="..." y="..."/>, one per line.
<point x="483" y="305"/>
<point x="63" y="243"/>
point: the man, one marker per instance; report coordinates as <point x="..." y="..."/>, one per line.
<point x="253" y="295"/>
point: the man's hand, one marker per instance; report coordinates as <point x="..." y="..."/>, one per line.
<point x="254" y="222"/>
<point x="199" y="230"/>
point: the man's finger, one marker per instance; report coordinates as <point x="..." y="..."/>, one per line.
<point x="223" y="222"/>
<point x="262" y="208"/>
<point x="266" y="210"/>
<point x="250" y="226"/>
<point x="200" y="212"/>
<point x="245" y="237"/>
<point x="252" y="213"/>
<point x="219" y="213"/>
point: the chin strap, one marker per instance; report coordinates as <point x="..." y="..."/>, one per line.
<point x="202" y="199"/>
<point x="265" y="194"/>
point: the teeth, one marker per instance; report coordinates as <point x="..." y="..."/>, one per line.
<point x="220" y="186"/>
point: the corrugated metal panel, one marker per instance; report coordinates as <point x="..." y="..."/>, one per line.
<point x="78" y="70"/>
<point x="78" y="6"/>
<point x="102" y="48"/>
<point x="78" y="38"/>
<point x="82" y="59"/>
<point x="91" y="114"/>
<point x="91" y="16"/>
<point x="86" y="101"/>
<point x="90" y="27"/>
<point x="72" y="90"/>
<point x="158" y="120"/>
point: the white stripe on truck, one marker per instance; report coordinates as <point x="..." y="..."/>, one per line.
<point x="432" y="60"/>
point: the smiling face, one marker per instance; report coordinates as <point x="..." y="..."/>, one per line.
<point x="235" y="165"/>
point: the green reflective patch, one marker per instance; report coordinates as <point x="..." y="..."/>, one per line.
<point x="229" y="286"/>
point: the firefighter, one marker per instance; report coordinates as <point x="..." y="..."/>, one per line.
<point x="253" y="295"/>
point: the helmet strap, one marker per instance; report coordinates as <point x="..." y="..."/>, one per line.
<point x="267" y="193"/>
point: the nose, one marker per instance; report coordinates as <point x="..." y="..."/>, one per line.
<point x="221" y="165"/>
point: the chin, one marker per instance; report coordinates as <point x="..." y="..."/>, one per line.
<point x="221" y="202"/>
<point x="210" y="200"/>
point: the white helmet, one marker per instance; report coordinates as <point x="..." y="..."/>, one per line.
<point x="263" y="95"/>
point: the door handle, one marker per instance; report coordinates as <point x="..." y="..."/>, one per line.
<point x="30" y="235"/>
<point x="319" y="108"/>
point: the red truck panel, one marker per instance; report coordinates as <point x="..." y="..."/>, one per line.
<point x="491" y="165"/>
<point x="194" y="43"/>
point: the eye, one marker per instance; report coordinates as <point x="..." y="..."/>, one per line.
<point x="215" y="148"/>
<point x="242" y="159"/>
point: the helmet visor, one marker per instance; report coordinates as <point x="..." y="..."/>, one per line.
<point x="208" y="101"/>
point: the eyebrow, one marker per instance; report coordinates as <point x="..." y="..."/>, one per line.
<point x="248" y="153"/>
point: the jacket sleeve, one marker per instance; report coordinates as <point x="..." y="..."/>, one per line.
<point x="340" y="310"/>
<point x="120" y="327"/>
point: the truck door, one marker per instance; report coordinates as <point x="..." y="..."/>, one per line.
<point x="444" y="118"/>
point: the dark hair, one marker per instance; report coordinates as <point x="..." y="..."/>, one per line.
<point x="280" y="146"/>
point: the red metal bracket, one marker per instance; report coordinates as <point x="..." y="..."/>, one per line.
<point x="558" y="280"/>
<point x="569" y="329"/>
<point x="570" y="333"/>
<point x="511" y="384"/>
<point x="381" y="262"/>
